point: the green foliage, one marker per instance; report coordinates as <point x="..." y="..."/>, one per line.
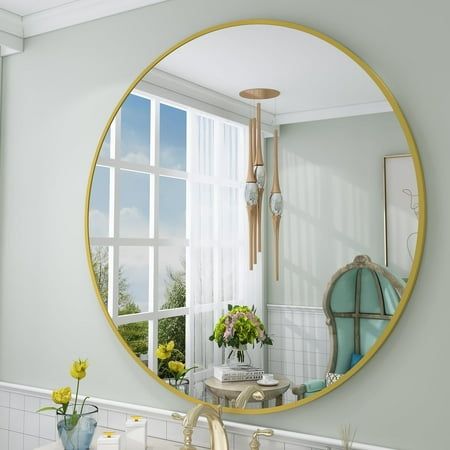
<point x="240" y="326"/>
<point x="174" y="328"/>
<point x="135" y="334"/>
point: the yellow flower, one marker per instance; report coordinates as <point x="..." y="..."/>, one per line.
<point x="62" y="396"/>
<point x="164" y="351"/>
<point x="176" y="367"/>
<point x="78" y="369"/>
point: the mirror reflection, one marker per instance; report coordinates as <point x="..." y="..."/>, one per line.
<point x="252" y="249"/>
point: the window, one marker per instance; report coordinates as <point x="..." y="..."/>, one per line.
<point x="165" y="212"/>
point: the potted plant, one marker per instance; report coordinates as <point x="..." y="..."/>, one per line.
<point x="76" y="422"/>
<point x="239" y="327"/>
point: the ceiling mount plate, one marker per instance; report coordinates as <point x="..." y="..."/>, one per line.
<point x="259" y="93"/>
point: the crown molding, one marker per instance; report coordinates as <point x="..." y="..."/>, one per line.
<point x="168" y="85"/>
<point x="77" y="12"/>
<point x="11" y="33"/>
<point x="180" y="90"/>
<point x="335" y="112"/>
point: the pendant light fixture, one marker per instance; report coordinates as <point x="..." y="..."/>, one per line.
<point x="254" y="189"/>
<point x="276" y="205"/>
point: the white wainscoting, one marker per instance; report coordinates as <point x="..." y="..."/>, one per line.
<point x="301" y="344"/>
<point x="21" y="428"/>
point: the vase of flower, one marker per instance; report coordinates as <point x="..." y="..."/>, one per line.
<point x="236" y="329"/>
<point x="77" y="430"/>
<point x="76" y="422"/>
<point x="171" y="368"/>
<point x="239" y="358"/>
<point x="180" y="385"/>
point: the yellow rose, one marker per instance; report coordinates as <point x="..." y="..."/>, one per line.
<point x="62" y="396"/>
<point x="176" y="367"/>
<point x="164" y="351"/>
<point x="78" y="369"/>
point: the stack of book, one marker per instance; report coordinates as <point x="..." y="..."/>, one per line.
<point x="225" y="373"/>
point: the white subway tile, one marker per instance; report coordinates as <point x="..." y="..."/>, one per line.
<point x="16" y="418"/>
<point x="275" y="355"/>
<point x="43" y="403"/>
<point x="47" y="427"/>
<point x="288" y="369"/>
<point x="200" y="437"/>
<point x="295" y="447"/>
<point x="4" y="439"/>
<point x="4" y="418"/>
<point x="102" y="418"/>
<point x="271" y="444"/>
<point x="116" y="420"/>
<point x="157" y="428"/>
<point x="31" y="424"/>
<point x="30" y="442"/>
<point x="275" y="367"/>
<point x="17" y="401"/>
<point x="32" y="404"/>
<point x="174" y="431"/>
<point x="4" y="398"/>
<point x="15" y="441"/>
<point x="323" y="334"/>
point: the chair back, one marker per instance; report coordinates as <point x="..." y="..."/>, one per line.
<point x="359" y="301"/>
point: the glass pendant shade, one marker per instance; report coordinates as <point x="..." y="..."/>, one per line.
<point x="260" y="174"/>
<point x="276" y="203"/>
<point x="251" y="194"/>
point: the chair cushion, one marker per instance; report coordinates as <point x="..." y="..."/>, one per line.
<point x="315" y="385"/>
<point x="355" y="358"/>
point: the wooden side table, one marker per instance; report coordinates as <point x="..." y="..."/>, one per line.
<point x="230" y="390"/>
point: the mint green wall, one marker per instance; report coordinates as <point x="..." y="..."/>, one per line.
<point x="331" y="174"/>
<point x="57" y="97"/>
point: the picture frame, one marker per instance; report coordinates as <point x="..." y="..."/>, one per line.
<point x="401" y="213"/>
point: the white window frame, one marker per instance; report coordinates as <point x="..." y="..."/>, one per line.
<point x="114" y="242"/>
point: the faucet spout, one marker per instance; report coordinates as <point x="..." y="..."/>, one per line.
<point x="217" y="433"/>
<point x="249" y="392"/>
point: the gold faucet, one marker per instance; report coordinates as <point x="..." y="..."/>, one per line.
<point x="249" y="392"/>
<point x="217" y="433"/>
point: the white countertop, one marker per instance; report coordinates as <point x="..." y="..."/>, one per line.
<point x="152" y="443"/>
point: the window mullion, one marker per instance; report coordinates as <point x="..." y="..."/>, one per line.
<point x="115" y="219"/>
<point x="191" y="133"/>
<point x="154" y="300"/>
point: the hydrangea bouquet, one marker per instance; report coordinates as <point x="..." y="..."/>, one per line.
<point x="237" y="328"/>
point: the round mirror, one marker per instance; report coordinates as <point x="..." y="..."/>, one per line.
<point x="255" y="217"/>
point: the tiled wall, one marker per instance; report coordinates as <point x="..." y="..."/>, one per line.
<point x="21" y="428"/>
<point x="301" y="343"/>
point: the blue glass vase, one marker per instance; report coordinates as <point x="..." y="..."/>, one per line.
<point x="76" y="432"/>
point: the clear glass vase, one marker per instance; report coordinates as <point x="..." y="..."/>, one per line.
<point x="180" y="385"/>
<point x="76" y="431"/>
<point x="239" y="359"/>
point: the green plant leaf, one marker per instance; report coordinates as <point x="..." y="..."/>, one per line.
<point x="47" y="408"/>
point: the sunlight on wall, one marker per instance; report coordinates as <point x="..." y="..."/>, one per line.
<point x="332" y="181"/>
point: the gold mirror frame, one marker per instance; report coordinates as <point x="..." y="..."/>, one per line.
<point x="422" y="209"/>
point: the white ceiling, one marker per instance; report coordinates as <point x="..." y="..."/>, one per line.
<point x="310" y="73"/>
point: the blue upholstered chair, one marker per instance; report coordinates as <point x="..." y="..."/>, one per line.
<point x="359" y="301"/>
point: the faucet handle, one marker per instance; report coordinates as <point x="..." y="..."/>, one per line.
<point x="254" y="443"/>
<point x="178" y="416"/>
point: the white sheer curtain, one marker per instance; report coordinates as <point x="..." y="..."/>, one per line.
<point x="217" y="263"/>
